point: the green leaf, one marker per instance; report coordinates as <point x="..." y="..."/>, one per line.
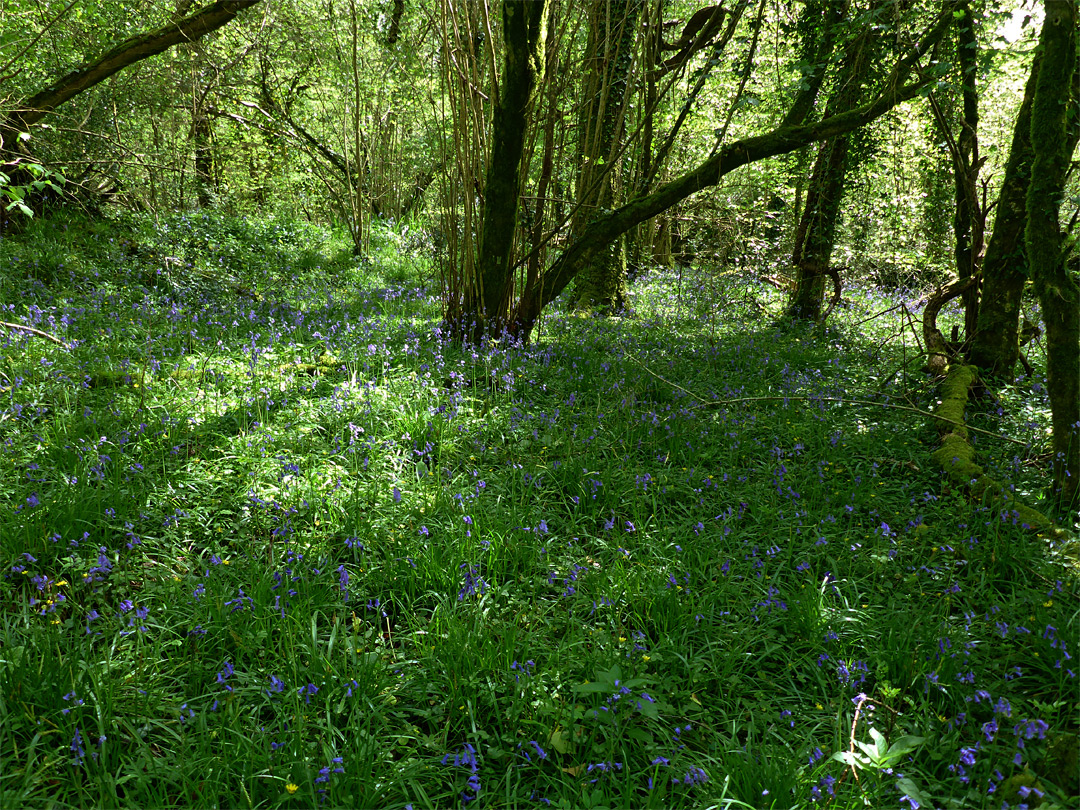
<point x="559" y="740"/>
<point x="880" y="743"/>
<point x="908" y="788"/>
<point x="905" y="745"/>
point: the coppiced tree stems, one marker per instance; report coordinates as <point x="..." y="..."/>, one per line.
<point x="613" y="35"/>
<point x="467" y="85"/>
<point x="524" y="27"/>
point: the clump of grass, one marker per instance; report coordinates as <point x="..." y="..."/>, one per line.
<point x="294" y="548"/>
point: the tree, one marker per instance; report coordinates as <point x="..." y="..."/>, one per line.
<point x="188" y="29"/>
<point x="963" y="146"/>
<point x="497" y="314"/>
<point x="1054" y="112"/>
<point x="524" y="25"/>
<point x="816" y="232"/>
<point x="968" y="217"/>
<point x="613" y="33"/>
<point x="994" y="346"/>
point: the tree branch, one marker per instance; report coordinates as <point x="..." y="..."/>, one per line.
<point x="133" y="50"/>
<point x="18" y="327"/>
<point x="602" y="231"/>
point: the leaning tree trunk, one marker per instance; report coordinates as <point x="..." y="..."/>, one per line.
<point x="486" y="305"/>
<point x="1058" y="292"/>
<point x="816" y="232"/>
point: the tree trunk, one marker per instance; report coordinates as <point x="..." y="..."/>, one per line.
<point x="994" y="347"/>
<point x="205" y="173"/>
<point x="967" y="232"/>
<point x="524" y="25"/>
<point x="816" y="232"/>
<point x="394" y="30"/>
<point x="1058" y="292"/>
<point x="613" y="28"/>
<point x="538" y="252"/>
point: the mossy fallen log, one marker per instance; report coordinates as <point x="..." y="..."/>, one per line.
<point x="956" y="455"/>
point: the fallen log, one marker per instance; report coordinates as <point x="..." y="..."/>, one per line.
<point x="956" y="454"/>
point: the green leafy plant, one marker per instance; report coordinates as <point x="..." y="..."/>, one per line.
<point x="15" y="196"/>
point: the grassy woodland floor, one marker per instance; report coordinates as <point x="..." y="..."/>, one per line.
<point x="270" y="540"/>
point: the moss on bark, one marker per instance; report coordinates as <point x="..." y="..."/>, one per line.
<point x="956" y="455"/>
<point x="1052" y="143"/>
<point x="995" y="347"/>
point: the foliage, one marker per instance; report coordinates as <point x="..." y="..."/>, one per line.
<point x="13" y="196"/>
<point x="269" y="539"/>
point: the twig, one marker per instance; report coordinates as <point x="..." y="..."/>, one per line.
<point x="878" y="314"/>
<point x="840" y="400"/>
<point x="851" y="742"/>
<point x="910" y="319"/>
<point x="37" y="332"/>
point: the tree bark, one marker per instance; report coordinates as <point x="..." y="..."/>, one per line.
<point x="613" y="32"/>
<point x="31" y="110"/>
<point x="816" y="232"/>
<point x="1058" y="292"/>
<point x="994" y="346"/>
<point x="524" y="27"/>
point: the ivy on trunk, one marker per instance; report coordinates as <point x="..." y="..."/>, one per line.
<point x="1054" y="102"/>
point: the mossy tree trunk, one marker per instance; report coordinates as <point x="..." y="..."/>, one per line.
<point x="613" y="32"/>
<point x="487" y="303"/>
<point x="816" y="231"/>
<point x="994" y="346"/>
<point x="1055" y="102"/>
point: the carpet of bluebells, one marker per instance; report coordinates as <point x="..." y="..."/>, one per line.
<point x="270" y="538"/>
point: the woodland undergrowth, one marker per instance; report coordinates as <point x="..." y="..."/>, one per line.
<point x="270" y="539"/>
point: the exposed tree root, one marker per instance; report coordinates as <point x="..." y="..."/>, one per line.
<point x="956" y="455"/>
<point x="939" y="352"/>
<point x="834" y="274"/>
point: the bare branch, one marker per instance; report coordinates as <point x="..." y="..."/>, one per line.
<point x="18" y="327"/>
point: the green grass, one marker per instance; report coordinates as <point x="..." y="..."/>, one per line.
<point x="270" y="539"/>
